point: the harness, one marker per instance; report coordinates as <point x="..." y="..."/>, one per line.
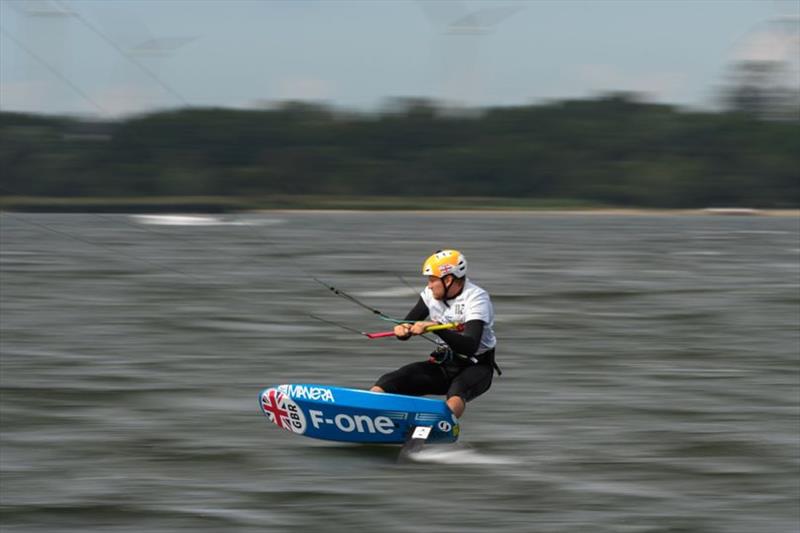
<point x="443" y="354"/>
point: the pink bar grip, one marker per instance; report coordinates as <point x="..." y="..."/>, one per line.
<point x="380" y="334"/>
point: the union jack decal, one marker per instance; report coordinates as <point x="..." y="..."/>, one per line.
<point x="274" y="405"/>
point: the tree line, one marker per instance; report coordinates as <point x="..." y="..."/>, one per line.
<point x="613" y="150"/>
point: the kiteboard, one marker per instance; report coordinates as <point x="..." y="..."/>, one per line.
<point x="359" y="416"/>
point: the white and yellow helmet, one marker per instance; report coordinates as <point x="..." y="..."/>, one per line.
<point x="445" y="262"/>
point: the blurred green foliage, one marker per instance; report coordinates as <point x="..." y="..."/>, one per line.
<point x="614" y="150"/>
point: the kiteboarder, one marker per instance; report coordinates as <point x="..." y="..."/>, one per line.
<point x="461" y="367"/>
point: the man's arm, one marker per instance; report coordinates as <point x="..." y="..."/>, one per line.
<point x="419" y="312"/>
<point x="468" y="341"/>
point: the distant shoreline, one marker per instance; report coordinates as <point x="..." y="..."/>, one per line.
<point x="426" y="204"/>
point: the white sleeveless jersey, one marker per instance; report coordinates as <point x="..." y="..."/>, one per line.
<point x="472" y="304"/>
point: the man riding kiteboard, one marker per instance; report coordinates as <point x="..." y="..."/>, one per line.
<point x="462" y="364"/>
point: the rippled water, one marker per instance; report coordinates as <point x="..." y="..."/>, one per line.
<point x="652" y="373"/>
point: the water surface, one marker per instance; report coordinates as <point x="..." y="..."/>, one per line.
<point x="651" y="373"/>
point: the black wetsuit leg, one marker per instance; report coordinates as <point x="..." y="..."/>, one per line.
<point x="416" y="379"/>
<point x="471" y="382"/>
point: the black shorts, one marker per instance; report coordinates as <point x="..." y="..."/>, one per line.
<point x="419" y="379"/>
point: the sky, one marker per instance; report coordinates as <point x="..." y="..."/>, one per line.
<point x="112" y="58"/>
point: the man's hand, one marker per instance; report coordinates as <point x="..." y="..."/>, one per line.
<point x="419" y="327"/>
<point x="402" y="331"/>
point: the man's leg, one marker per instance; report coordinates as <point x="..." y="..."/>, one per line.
<point x="456" y="404"/>
<point x="415" y="379"/>
<point x="469" y="384"/>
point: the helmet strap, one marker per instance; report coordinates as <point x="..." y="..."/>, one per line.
<point x="447" y="289"/>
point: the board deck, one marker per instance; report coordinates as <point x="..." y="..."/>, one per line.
<point x="351" y="415"/>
